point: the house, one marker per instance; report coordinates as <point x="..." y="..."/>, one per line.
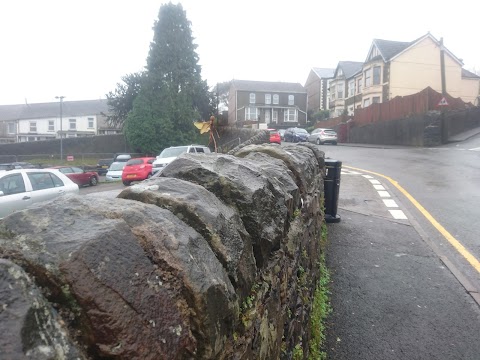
<point x="342" y="87"/>
<point x="394" y="68"/>
<point x="318" y="89"/>
<point x="263" y="104"/>
<point x="41" y="121"/>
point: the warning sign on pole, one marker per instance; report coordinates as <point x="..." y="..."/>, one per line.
<point x="443" y="102"/>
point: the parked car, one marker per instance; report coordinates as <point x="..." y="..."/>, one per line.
<point x="137" y="169"/>
<point x="114" y="172"/>
<point x="78" y="175"/>
<point x="282" y="134"/>
<point x="296" y="134"/>
<point x="17" y="165"/>
<point x="171" y="153"/>
<point x="20" y="188"/>
<point x="121" y="157"/>
<point x="103" y="165"/>
<point x="275" y="136"/>
<point x="323" y="136"/>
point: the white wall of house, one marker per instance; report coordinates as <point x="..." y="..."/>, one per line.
<point x="470" y="90"/>
<point x="43" y="126"/>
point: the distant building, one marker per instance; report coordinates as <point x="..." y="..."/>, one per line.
<point x="263" y="104"/>
<point x="318" y="89"/>
<point x="34" y="122"/>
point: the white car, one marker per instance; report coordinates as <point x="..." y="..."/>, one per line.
<point x="114" y="172"/>
<point x="20" y="188"/>
<point x="322" y="136"/>
<point x="171" y="153"/>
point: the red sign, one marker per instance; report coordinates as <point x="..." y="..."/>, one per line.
<point x="70" y="158"/>
<point x="443" y="102"/>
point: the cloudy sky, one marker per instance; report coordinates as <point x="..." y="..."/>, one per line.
<point x="81" y="49"/>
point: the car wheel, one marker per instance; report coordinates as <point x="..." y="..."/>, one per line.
<point x="149" y="176"/>
<point x="334" y="143"/>
<point x="319" y="142"/>
<point x="93" y="181"/>
<point x="126" y="183"/>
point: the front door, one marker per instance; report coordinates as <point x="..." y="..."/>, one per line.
<point x="275" y="116"/>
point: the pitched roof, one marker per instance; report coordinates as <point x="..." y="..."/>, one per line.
<point x="389" y="49"/>
<point x="248" y="85"/>
<point x="469" y="74"/>
<point x="350" y="68"/>
<point x="324" y="72"/>
<point x="52" y="110"/>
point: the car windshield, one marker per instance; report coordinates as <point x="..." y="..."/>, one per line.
<point x="116" y="166"/>
<point x="134" y="162"/>
<point x="173" y="152"/>
<point x="301" y="131"/>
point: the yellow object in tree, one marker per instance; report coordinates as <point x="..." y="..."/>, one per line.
<point x="202" y="126"/>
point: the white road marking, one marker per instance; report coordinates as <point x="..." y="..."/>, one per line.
<point x="367" y="176"/>
<point x="390" y="203"/>
<point x="378" y="187"/>
<point x="475" y="149"/>
<point x="398" y="214"/>
<point x="383" y="194"/>
<point x="375" y="182"/>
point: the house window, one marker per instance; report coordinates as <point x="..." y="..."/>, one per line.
<point x="340" y="72"/>
<point x="359" y="86"/>
<point x="376" y="75"/>
<point x="251" y="113"/>
<point x="33" y="126"/>
<point x="275" y="98"/>
<point x="268" y="98"/>
<point x="11" y="128"/>
<point x="73" y="124"/>
<point x="90" y="123"/>
<point x="252" y="98"/>
<point x="376" y="99"/>
<point x="51" y="125"/>
<point x="291" y="99"/>
<point x="351" y="88"/>
<point x="340" y="88"/>
<point x="366" y="103"/>
<point x="368" y="77"/>
<point x="290" y="115"/>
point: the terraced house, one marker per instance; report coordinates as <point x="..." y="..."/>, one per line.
<point x="45" y="121"/>
<point x="262" y="104"/>
<point x="394" y="68"/>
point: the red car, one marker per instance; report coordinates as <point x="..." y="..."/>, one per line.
<point x="275" y="136"/>
<point x="137" y="169"/>
<point x="78" y="175"/>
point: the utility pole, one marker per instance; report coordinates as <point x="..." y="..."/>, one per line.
<point x="61" y="129"/>
<point x="443" y="127"/>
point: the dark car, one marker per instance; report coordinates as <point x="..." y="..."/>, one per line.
<point x="78" y="175"/>
<point x="296" y="135"/>
<point x="17" y="165"/>
<point x="103" y="165"/>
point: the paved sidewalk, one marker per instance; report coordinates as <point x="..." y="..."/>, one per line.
<point x="392" y="297"/>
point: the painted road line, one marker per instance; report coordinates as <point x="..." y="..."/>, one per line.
<point x="378" y="187"/>
<point x="390" y="203"/>
<point x="475" y="149"/>
<point x="383" y="194"/>
<point x="457" y="245"/>
<point x="374" y="182"/>
<point x="367" y="176"/>
<point x="398" y="214"/>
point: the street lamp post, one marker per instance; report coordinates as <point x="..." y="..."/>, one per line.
<point x="61" y="120"/>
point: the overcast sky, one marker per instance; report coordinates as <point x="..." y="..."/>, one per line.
<point x="81" y="49"/>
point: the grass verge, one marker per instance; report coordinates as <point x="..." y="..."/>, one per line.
<point x="321" y="306"/>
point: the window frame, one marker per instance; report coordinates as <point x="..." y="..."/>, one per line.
<point x="252" y="98"/>
<point x="276" y="99"/>
<point x="291" y="100"/>
<point x="249" y="111"/>
<point x="268" y="99"/>
<point x="287" y="113"/>
<point x="91" y="122"/>
<point x="33" y="126"/>
<point x="377" y="75"/>
<point x="51" y="125"/>
<point x="72" y="122"/>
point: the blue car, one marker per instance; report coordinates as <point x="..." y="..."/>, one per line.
<point x="296" y="135"/>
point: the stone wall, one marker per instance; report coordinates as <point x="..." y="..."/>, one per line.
<point x="216" y="259"/>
